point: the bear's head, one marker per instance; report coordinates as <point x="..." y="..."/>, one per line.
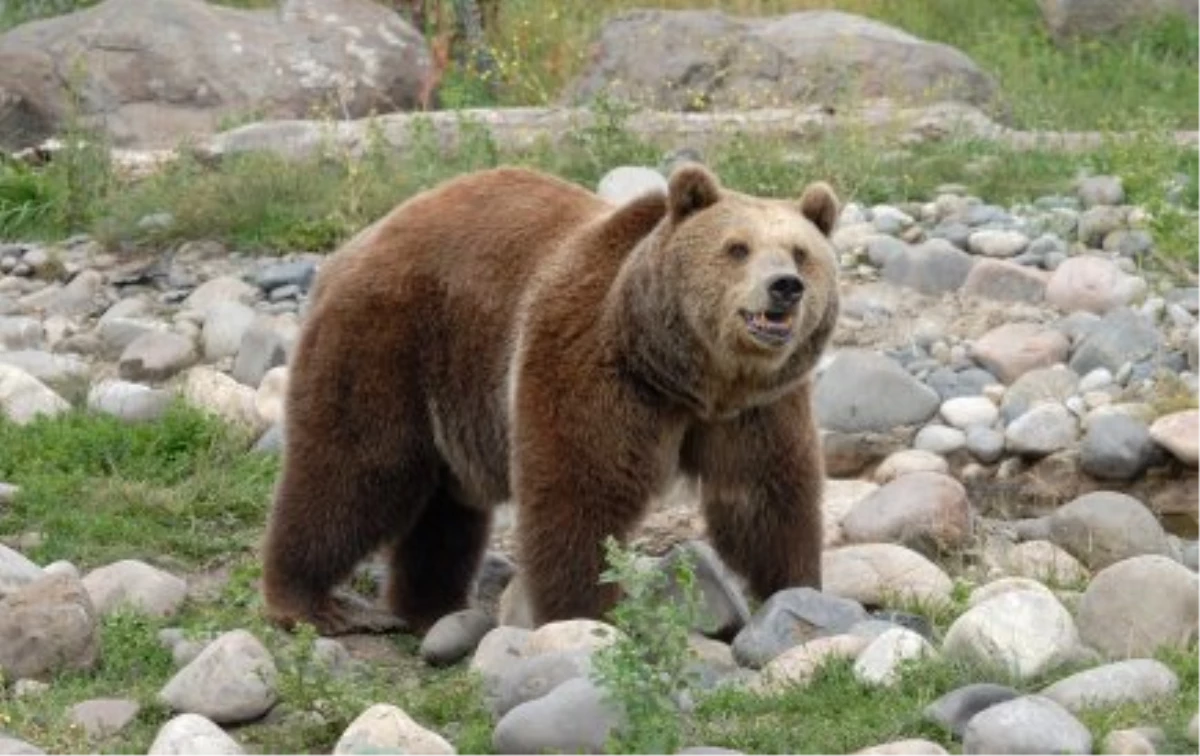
<point x="754" y="280"/>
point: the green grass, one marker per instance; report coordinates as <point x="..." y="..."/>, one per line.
<point x="191" y="472"/>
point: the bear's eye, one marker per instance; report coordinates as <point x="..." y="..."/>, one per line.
<point x="799" y="253"/>
<point x="738" y="251"/>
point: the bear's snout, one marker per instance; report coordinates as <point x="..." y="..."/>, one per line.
<point x="784" y="291"/>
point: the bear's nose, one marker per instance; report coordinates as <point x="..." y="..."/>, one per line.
<point x="785" y="290"/>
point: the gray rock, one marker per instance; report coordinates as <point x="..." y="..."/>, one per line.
<point x="283" y="66"/>
<point x="997" y="243"/>
<point x="723" y="607"/>
<point x="104" y="717"/>
<point x="764" y="62"/>
<point x="116" y="334"/>
<point x="849" y="394"/>
<point x="1139" y="605"/>
<point x="1132" y="243"/>
<point x="46" y="367"/>
<point x="79" y="297"/>
<point x="10" y="746"/>
<point x="1116" y="447"/>
<point x="190" y="734"/>
<point x="920" y="509"/>
<point x="955" y="709"/>
<point x="1055" y="383"/>
<point x="16" y="571"/>
<point x="881" y="249"/>
<point x="220" y="289"/>
<point x="1005" y="281"/>
<point x="225" y="325"/>
<point x="19" y="332"/>
<point x="262" y="348"/>
<point x="23" y="397"/>
<point x="932" y="267"/>
<point x="156" y="356"/>
<point x="1106" y="527"/>
<point x="954" y="232"/>
<point x="232" y="680"/>
<point x="495" y="571"/>
<point x="531" y="678"/>
<point x="939" y="439"/>
<point x="1100" y="190"/>
<point x="1121" y="336"/>
<point x="1019" y="632"/>
<point x="985" y="444"/>
<point x="1068" y="19"/>
<point x="575" y="717"/>
<point x="384" y="728"/>
<point x="47" y="626"/>
<point x="455" y="637"/>
<point x="1098" y="222"/>
<point x="628" y="182"/>
<point x="296" y="273"/>
<point x="131" y="402"/>
<point x="1046" y="428"/>
<point x="951" y="384"/>
<point x="132" y="584"/>
<point x="789" y="618"/>
<point x="271" y="441"/>
<point x="1050" y="243"/>
<point x="1029" y="724"/>
<point x="1134" y="681"/>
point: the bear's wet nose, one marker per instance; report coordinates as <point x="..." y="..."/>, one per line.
<point x="785" y="290"/>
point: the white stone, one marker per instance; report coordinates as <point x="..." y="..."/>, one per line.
<point x="384" y="728"/>
<point x="193" y="734"/>
<point x="1023" y="633"/>
<point x="131" y="584"/>
<point x="965" y="411"/>
<point x="232" y="680"/>
<point x="880" y="662"/>
<point x="23" y="397"/>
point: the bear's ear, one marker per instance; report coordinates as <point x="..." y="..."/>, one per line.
<point x="691" y="189"/>
<point x="819" y="204"/>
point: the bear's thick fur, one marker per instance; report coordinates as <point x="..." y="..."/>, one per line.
<point x="508" y="334"/>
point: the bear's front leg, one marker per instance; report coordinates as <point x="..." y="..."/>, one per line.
<point x="584" y="468"/>
<point x="762" y="478"/>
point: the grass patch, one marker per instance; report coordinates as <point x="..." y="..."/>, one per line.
<point x="181" y="492"/>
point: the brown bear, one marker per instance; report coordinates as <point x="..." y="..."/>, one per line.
<point x="511" y="335"/>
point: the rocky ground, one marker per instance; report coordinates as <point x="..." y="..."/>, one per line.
<point x="1010" y="405"/>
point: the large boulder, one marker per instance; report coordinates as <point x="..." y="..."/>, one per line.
<point x="701" y="60"/>
<point x="150" y="72"/>
<point x="1073" y="18"/>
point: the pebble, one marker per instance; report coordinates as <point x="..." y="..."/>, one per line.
<point x="384" y="728"/>
<point x="1045" y="562"/>
<point x="1102" y="528"/>
<point x="232" y="680"/>
<point x="1046" y="428"/>
<point x="1117" y="447"/>
<point x="939" y="439"/>
<point x="225" y="325"/>
<point x="847" y="392"/>
<point x="1056" y="384"/>
<point x="278" y="275"/>
<point x="1022" y="633"/>
<point x="1013" y="349"/>
<point x="156" y="356"/>
<point x="792" y="617"/>
<point x="1138" y="605"/>
<point x="191" y="734"/>
<point x="130" y="583"/>
<point x="966" y="411"/>
<point x="798" y="666"/>
<point x="455" y="636"/>
<point x="933" y="267"/>
<point x="1029" y="724"/>
<point x="575" y="717"/>
<point x="915" y="509"/>
<point x="881" y="661"/>
<point x="874" y="573"/>
<point x="1122" y="336"/>
<point x="131" y="402"/>
<point x="907" y="461"/>
<point x="1179" y="433"/>
<point x="911" y="746"/>
<point x="46" y="626"/>
<point x="997" y="243"/>
<point x="955" y="709"/>
<point x="23" y="397"/>
<point x="1133" y="681"/>
<point x="220" y="289"/>
<point x="103" y="717"/>
<point x="985" y="444"/>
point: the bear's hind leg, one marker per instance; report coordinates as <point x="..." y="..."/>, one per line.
<point x="434" y="564"/>
<point x="326" y="519"/>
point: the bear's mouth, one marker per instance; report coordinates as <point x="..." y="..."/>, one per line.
<point x="771" y="327"/>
